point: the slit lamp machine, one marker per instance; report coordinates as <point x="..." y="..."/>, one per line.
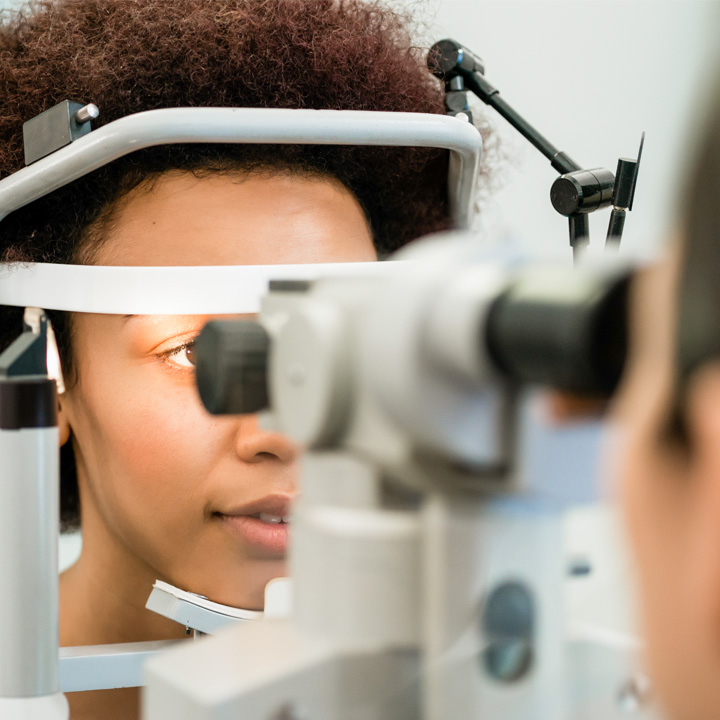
<point x="426" y="556"/>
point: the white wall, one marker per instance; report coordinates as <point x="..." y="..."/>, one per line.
<point x="591" y="76"/>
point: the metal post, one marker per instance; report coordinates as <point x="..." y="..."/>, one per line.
<point x="493" y="624"/>
<point x="29" y="568"/>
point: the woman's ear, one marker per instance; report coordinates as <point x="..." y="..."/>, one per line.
<point x="63" y="422"/>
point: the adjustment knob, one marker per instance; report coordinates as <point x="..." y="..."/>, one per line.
<point x="582" y="191"/>
<point x="448" y="58"/>
<point x="231" y="367"/>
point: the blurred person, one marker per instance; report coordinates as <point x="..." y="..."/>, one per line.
<point x="668" y="409"/>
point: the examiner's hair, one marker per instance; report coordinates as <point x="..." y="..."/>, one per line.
<point x="698" y="304"/>
<point x="699" y="301"/>
<point x="127" y="56"/>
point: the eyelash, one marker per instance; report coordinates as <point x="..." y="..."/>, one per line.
<point x="168" y="354"/>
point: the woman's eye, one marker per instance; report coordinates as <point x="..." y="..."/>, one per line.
<point x="183" y="356"/>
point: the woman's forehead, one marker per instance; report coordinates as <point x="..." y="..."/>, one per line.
<point x="221" y="220"/>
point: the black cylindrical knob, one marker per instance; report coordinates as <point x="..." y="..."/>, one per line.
<point x="27" y="402"/>
<point x="625" y="183"/>
<point x="568" y="333"/>
<point x="232" y="367"/>
<point x="448" y="57"/>
<point x="582" y="191"/>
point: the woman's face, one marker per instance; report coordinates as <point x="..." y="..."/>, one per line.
<point x="167" y="490"/>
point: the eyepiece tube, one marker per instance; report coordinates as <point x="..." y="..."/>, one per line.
<point x="231" y="367"/>
<point x="563" y="330"/>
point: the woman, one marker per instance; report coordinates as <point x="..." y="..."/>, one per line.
<point x="161" y="489"/>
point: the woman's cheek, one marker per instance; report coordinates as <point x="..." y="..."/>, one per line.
<point x="159" y="438"/>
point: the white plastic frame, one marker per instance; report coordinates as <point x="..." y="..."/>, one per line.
<point x="256" y="125"/>
<point x="197" y="290"/>
<point x="212" y="290"/>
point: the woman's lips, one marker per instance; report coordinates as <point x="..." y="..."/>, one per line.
<point x="270" y="537"/>
<point x="260" y="524"/>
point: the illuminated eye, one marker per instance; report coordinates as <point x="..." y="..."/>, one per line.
<point x="183" y="356"/>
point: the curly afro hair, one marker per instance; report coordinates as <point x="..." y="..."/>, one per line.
<point x="128" y="56"/>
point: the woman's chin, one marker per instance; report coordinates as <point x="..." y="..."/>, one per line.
<point x="247" y="592"/>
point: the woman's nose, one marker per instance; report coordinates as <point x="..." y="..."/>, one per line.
<point x="253" y="444"/>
